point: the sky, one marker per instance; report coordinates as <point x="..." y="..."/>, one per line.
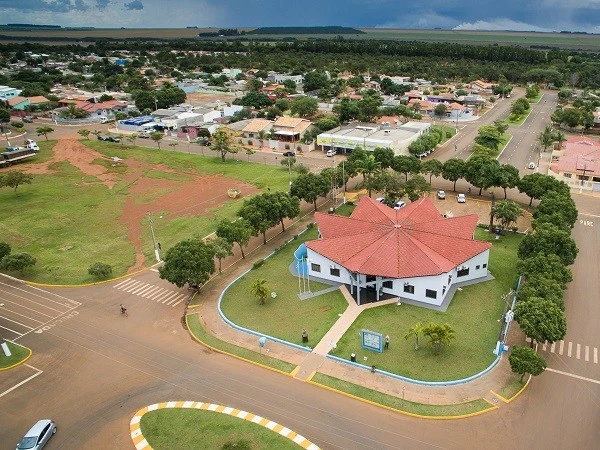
<point x="517" y="15"/>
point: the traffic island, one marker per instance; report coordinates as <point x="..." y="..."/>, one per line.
<point x="19" y="355"/>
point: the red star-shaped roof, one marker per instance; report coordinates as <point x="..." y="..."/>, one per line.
<point x="413" y="241"/>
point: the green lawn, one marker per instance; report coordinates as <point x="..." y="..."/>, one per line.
<point x="380" y="398"/>
<point x="285" y="316"/>
<point x="196" y="328"/>
<point x="345" y="210"/>
<point x="198" y="429"/>
<point x="19" y="353"/>
<point x="68" y="220"/>
<point x="473" y="314"/>
<point x="517" y="120"/>
<point x="448" y="132"/>
<point x="511" y="389"/>
<point x="536" y="99"/>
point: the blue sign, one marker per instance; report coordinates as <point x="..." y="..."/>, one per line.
<point x="372" y="340"/>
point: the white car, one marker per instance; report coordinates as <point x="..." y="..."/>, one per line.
<point x="380" y="199"/>
<point x="460" y="198"/>
<point x="399" y="205"/>
<point x="531" y="165"/>
<point x="441" y="195"/>
<point x="331" y="153"/>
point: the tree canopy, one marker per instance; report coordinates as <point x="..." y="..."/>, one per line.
<point x="188" y="262"/>
<point x="541" y="320"/>
<point x="525" y="360"/>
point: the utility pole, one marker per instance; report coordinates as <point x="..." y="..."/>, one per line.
<point x="491" y="227"/>
<point x="156" y="248"/>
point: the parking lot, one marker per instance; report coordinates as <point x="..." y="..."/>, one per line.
<point x="25" y="308"/>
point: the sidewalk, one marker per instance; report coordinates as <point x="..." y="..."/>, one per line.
<point x="309" y="362"/>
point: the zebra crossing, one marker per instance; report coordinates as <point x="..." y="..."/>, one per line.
<point x="151" y="292"/>
<point x="571" y="350"/>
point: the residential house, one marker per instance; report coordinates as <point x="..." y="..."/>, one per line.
<point x="256" y="126"/>
<point x="481" y="87"/>
<point x="413" y="253"/>
<point x="290" y="129"/>
<point x="423" y="107"/>
<point x="280" y="78"/>
<point x="577" y="163"/>
<point x="7" y="92"/>
<point x="21" y="103"/>
<point x="106" y="109"/>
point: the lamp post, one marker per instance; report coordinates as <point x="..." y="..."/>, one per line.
<point x="156" y="247"/>
<point x="290" y="172"/>
<point x="491" y="227"/>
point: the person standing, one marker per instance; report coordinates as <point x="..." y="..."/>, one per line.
<point x="387" y="342"/>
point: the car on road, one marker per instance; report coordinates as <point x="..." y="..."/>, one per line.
<point x="38" y="435"/>
<point x="289" y="153"/>
<point x="27" y="119"/>
<point x="331" y="153"/>
<point x="399" y="204"/>
<point x="531" y="165"/>
<point x="441" y="195"/>
<point x="461" y="198"/>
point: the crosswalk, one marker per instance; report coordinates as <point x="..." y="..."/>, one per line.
<point x="151" y="292"/>
<point x="571" y="350"/>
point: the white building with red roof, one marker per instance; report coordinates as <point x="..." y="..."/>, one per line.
<point x="577" y="163"/>
<point x="413" y="253"/>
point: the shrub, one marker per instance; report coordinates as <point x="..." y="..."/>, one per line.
<point x="4" y="249"/>
<point x="100" y="270"/>
<point x="299" y="148"/>
<point x="258" y="263"/>
<point x="249" y="142"/>
<point x="287" y="146"/>
<point x="310" y="226"/>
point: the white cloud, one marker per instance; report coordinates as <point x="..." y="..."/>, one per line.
<point x="500" y="24"/>
<point x="422" y="20"/>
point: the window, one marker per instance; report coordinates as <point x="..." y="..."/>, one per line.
<point x="315" y="267"/>
<point x="443" y="290"/>
<point x="430" y="293"/>
<point x="334" y="272"/>
<point x="462" y="271"/>
<point x="476" y="267"/>
<point x="567" y="175"/>
<point x="388" y="284"/>
<point x="409" y="288"/>
<point x="484" y="266"/>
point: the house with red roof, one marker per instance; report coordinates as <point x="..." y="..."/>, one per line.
<point x="412" y="253"/>
<point x="577" y="163"/>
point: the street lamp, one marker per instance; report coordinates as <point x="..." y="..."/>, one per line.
<point x="491" y="227"/>
<point x="156" y="247"/>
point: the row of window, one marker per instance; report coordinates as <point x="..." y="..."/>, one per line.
<point x="334" y="272"/>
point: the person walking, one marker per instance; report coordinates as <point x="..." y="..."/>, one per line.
<point x="123" y="310"/>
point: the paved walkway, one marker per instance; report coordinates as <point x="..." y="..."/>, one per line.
<point x="315" y="360"/>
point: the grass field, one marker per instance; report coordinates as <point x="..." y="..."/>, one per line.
<point x="68" y="220"/>
<point x="473" y="314"/>
<point x="588" y="42"/>
<point x="380" y="398"/>
<point x="18" y="354"/>
<point x="285" y="316"/>
<point x="191" y="429"/>
<point x="511" y="389"/>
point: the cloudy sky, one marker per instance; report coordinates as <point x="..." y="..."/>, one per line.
<point x="533" y="15"/>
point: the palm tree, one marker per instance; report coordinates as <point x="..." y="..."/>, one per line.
<point x="261" y="135"/>
<point x="439" y="335"/>
<point x="560" y="137"/>
<point x="260" y="290"/>
<point x="367" y="167"/>
<point x="415" y="331"/>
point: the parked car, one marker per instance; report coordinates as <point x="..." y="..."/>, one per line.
<point x="331" y="153"/>
<point x="38" y="435"/>
<point x="33" y="146"/>
<point x="531" y="165"/>
<point x="103" y="138"/>
<point x="27" y="119"/>
<point x="144" y="134"/>
<point x="380" y="199"/>
<point x="289" y="153"/>
<point x="441" y="195"/>
<point x="399" y="204"/>
<point x="460" y="198"/>
<point x="113" y="139"/>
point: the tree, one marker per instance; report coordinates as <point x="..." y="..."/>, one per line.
<point x="489" y="136"/>
<point x="415" y="331"/>
<point x="84" y="133"/>
<point x="367" y="167"/>
<point x="284" y="206"/>
<point x="433" y="167"/>
<point x="100" y="270"/>
<point x="548" y="266"/>
<point x="189" y="262"/>
<point x="304" y="106"/>
<point x="440" y="109"/>
<point x="44" y="130"/>
<point x="482" y="172"/>
<point x="549" y="239"/>
<point x="221" y="142"/>
<point x="546" y="137"/>
<point x="406" y="164"/>
<point x="417" y="187"/>
<point x="525" y="360"/>
<point x="541" y="320"/>
<point x="391" y="184"/>
<point x="439" y="335"/>
<point x="453" y="170"/>
<point x="132" y="138"/>
<point x="4" y="249"/>
<point x="309" y="187"/>
<point x="260" y="290"/>
<point x="222" y="248"/>
<point x="507" y="212"/>
<point x="258" y="211"/>
<point x="538" y="286"/>
<point x="560" y="137"/>
<point x="508" y="177"/>
<point x="536" y="185"/>
<point x="384" y="156"/>
<point x="17" y="262"/>
<point x="14" y="178"/>
<point x="556" y="208"/>
<point x="256" y="100"/>
<point x="501" y="126"/>
<point x="157" y="136"/>
<point x="237" y="232"/>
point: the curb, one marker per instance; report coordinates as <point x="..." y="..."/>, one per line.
<point x="20" y="362"/>
<point x="399" y="411"/>
<point x="140" y="441"/>
<point x="33" y="283"/>
<point x="519" y="392"/>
